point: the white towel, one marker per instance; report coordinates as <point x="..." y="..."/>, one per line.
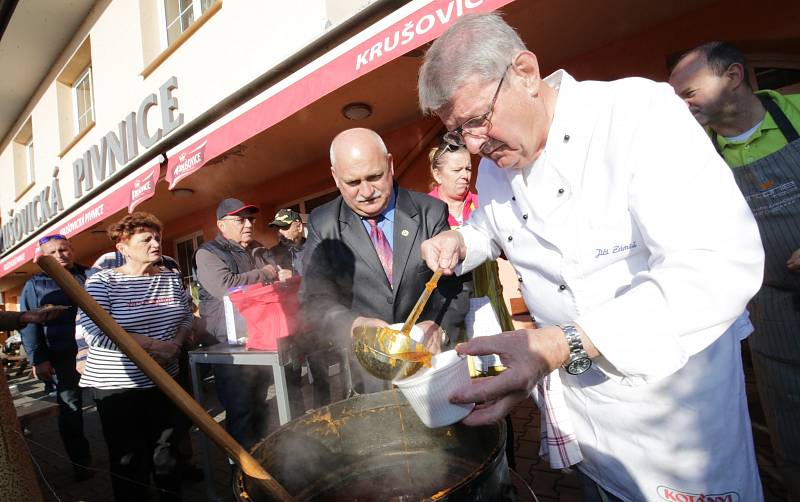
<point x="558" y="445"/>
<point x="482" y="321"/>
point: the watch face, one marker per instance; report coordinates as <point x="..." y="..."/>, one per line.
<point x="579" y="365"/>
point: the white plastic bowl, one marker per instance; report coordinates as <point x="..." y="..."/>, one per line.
<point x="428" y="390"/>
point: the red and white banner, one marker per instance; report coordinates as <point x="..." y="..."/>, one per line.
<point x="130" y="192"/>
<point x="186" y="163"/>
<point x="142" y="187"/>
<point x="408" y="28"/>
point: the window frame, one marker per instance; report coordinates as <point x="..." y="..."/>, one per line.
<point x="86" y="73"/>
<point x="30" y="163"/>
<point x="188" y="274"/>
<point x="774" y="61"/>
<point x="197" y="12"/>
<point x="301" y="201"/>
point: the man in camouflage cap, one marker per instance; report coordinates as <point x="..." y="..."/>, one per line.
<point x="288" y="252"/>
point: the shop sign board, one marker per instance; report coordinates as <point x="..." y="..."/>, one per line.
<point x="97" y="163"/>
<point x="100" y="161"/>
<point x="341" y="66"/>
<point x="129" y="193"/>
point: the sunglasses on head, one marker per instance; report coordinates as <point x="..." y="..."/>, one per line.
<point x="48" y="238"/>
<point x="442" y="149"/>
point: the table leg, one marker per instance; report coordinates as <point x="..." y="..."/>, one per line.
<point x="282" y="393"/>
<point x="197" y="387"/>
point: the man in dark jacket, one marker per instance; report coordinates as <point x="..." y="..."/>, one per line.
<point x="288" y="252"/>
<point x="362" y="260"/>
<point x="234" y="259"/>
<point x="51" y="348"/>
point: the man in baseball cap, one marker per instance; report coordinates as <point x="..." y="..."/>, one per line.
<point x="233" y="259"/>
<point x="232" y="207"/>
<point x="285" y="217"/>
<point x="288" y="252"/>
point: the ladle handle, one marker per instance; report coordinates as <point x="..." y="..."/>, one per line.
<point x="423" y="299"/>
<point x="161" y="378"/>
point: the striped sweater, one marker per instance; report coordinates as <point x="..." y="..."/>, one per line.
<point x="154" y="306"/>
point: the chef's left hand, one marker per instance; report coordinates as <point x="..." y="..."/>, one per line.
<point x="431" y="336"/>
<point x="793" y="263"/>
<point x="527" y="354"/>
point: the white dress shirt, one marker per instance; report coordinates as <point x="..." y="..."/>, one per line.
<point x="630" y="225"/>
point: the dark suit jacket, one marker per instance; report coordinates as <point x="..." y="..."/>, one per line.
<point x="343" y="278"/>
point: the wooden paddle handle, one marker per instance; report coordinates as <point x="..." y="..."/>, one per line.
<point x="161" y="378"/>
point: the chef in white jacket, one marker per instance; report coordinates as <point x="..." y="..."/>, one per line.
<point x="634" y="250"/>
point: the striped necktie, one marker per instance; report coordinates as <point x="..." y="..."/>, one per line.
<point x="381" y="246"/>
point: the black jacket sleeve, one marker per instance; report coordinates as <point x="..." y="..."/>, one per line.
<point x="322" y="300"/>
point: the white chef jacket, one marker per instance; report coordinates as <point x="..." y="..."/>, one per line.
<point x="631" y="225"/>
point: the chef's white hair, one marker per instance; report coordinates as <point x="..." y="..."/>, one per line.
<point x="375" y="136"/>
<point x="477" y="45"/>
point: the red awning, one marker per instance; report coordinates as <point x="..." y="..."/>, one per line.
<point x="132" y="190"/>
<point x="406" y="29"/>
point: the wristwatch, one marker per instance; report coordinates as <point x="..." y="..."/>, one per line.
<point x="578" y="361"/>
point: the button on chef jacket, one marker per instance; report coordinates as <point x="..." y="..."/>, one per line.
<point x="654" y="253"/>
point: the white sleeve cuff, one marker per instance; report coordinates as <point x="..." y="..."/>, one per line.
<point x="479" y="249"/>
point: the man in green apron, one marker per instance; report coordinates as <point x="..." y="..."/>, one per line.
<point x="757" y="135"/>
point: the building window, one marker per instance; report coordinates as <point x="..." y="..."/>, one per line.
<point x="84" y="100"/>
<point x="180" y="14"/>
<point x="185" y="248"/>
<point x="30" y="177"/>
<point x="24" y="159"/>
<point x="75" y="97"/>
<point x="307" y="204"/>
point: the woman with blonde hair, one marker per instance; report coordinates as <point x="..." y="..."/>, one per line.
<point x="149" y="302"/>
<point x="451" y="170"/>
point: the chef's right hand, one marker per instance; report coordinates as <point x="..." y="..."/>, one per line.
<point x="444" y="251"/>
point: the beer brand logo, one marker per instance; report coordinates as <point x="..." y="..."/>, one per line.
<point x="189" y="161"/>
<point x="674" y="495"/>
<point x="142" y="189"/>
<point x="139" y="188"/>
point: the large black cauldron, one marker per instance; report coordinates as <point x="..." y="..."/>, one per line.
<point x="373" y="447"/>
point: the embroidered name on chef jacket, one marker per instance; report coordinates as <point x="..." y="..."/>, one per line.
<point x="616" y="249"/>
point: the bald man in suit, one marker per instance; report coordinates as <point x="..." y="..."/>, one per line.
<point x="362" y="256"/>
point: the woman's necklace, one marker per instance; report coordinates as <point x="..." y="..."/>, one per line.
<point x="459" y="214"/>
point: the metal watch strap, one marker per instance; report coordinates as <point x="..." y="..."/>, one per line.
<point x="576" y="349"/>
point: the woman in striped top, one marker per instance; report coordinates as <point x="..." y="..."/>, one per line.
<point x="149" y="303"/>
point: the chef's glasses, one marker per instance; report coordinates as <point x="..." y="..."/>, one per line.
<point x="476" y="126"/>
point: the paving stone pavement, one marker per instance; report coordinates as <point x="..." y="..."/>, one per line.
<point x="56" y="472"/>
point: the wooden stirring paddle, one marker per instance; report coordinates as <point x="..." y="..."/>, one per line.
<point x="250" y="466"/>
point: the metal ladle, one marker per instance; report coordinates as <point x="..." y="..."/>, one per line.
<point x="388" y="353"/>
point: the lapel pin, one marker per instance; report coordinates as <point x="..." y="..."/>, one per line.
<point x="404" y="233"/>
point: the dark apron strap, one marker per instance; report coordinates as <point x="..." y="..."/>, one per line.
<point x="787" y="129"/>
